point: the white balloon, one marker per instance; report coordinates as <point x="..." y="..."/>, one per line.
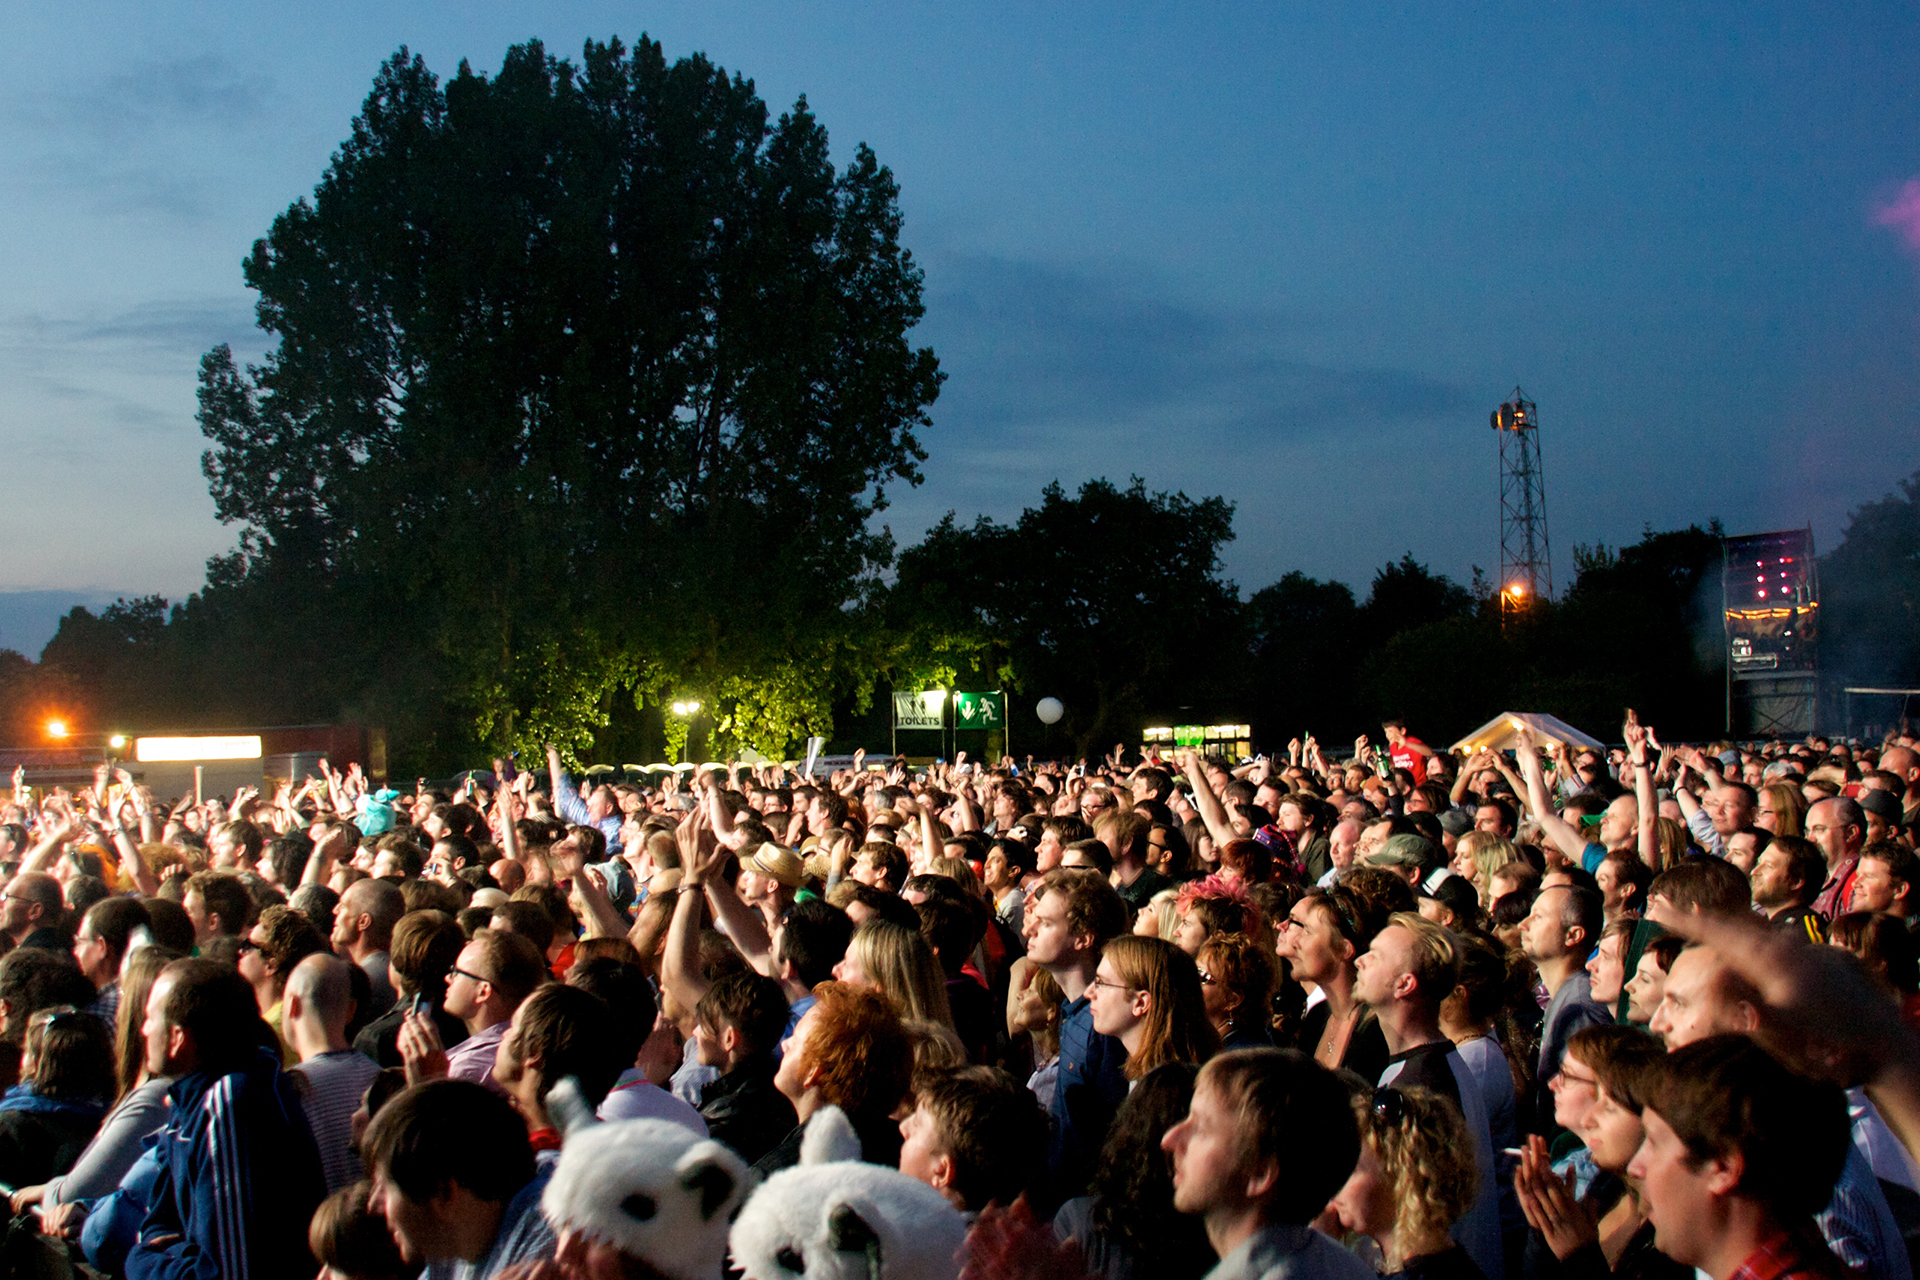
<point x="1050" y="710"/>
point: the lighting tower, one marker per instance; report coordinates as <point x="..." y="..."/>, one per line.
<point x="1526" y="563"/>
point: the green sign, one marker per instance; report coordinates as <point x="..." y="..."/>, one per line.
<point x="979" y="710"/>
<point x="1189" y="735"/>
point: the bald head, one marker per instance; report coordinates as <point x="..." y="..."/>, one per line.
<point x="1838" y="826"/>
<point x="319" y="1004"/>
<point x="1902" y="762"/>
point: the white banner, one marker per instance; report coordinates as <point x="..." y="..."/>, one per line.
<point x="917" y="711"/>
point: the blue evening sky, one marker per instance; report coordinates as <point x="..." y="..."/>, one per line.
<point x="1290" y="253"/>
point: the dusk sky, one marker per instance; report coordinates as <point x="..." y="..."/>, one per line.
<point x="1290" y="253"/>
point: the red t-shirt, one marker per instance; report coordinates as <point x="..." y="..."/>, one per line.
<point x="1405" y="757"/>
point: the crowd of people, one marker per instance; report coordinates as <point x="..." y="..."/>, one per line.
<point x="1546" y="1013"/>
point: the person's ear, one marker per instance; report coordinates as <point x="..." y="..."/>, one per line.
<point x="729" y="1040"/>
<point x="942" y="1172"/>
<point x="176" y="1041"/>
<point x="1142" y="1004"/>
<point x="1262" y="1179"/>
<point x="1724" y="1173"/>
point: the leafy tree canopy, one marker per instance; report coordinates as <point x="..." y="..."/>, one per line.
<point x="588" y="379"/>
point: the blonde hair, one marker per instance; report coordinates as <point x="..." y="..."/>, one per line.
<point x="1425" y="1152"/>
<point x="898" y="961"/>
<point x="1489" y="852"/>
<point x="936" y="1047"/>
<point x="960" y="871"/>
<point x="1165" y="906"/>
<point x="1436" y="955"/>
<point x="1789" y="807"/>
<point x="1123" y="831"/>
<point x="1669" y="844"/>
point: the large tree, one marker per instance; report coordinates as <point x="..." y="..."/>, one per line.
<point x="587" y="380"/>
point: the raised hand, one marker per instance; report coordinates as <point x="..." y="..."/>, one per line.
<point x="422" y="1056"/>
<point x="1549" y="1204"/>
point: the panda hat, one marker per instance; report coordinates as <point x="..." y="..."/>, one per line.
<point x="831" y="1217"/>
<point x="651" y="1189"/>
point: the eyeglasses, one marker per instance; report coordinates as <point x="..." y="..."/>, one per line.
<point x="243" y="945"/>
<point x="459" y="972"/>
<point x="1389" y="1105"/>
<point x="1116" y="986"/>
<point x="1207" y="979"/>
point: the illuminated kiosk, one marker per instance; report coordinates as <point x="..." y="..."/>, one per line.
<point x="226" y="762"/>
<point x="1232" y="740"/>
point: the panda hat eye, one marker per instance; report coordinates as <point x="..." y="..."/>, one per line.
<point x="791" y="1260"/>
<point x="640" y="1207"/>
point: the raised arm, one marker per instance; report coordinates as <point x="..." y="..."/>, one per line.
<point x="680" y="973"/>
<point x="1204" y="800"/>
<point x="1552" y="825"/>
<point x="1638" y="740"/>
<point x="566" y="797"/>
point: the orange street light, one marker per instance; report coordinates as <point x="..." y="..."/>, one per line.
<point x="56" y="728"/>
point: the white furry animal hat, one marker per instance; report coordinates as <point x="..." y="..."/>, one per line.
<point x="832" y="1217"/>
<point x="652" y="1190"/>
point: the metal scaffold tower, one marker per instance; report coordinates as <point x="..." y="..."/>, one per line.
<point x="1526" y="562"/>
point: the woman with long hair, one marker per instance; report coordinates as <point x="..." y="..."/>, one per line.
<point x="897" y="962"/>
<point x="1127" y="1226"/>
<point x="1415" y="1178"/>
<point x="1477" y="855"/>
<point x="1322" y="939"/>
<point x="138" y="1112"/>
<point x="1781" y="809"/>
<point x="1146" y="993"/>
<point x="1205" y="854"/>
<point x="66" y="1082"/>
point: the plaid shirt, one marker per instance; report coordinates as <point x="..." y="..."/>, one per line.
<point x="106" y="1005"/>
<point x="1777" y="1259"/>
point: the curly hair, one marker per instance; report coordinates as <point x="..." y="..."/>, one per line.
<point x="860" y="1050"/>
<point x="1132" y="1187"/>
<point x="1245" y="968"/>
<point x="1426" y="1153"/>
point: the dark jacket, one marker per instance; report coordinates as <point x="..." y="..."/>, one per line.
<point x="380" y="1039"/>
<point x="40" y="1138"/>
<point x="744" y="1111"/>
<point x="239" y="1180"/>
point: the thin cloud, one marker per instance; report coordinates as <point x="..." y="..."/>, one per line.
<point x="1902" y="214"/>
<point x="1030" y="346"/>
<point x="151" y="96"/>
